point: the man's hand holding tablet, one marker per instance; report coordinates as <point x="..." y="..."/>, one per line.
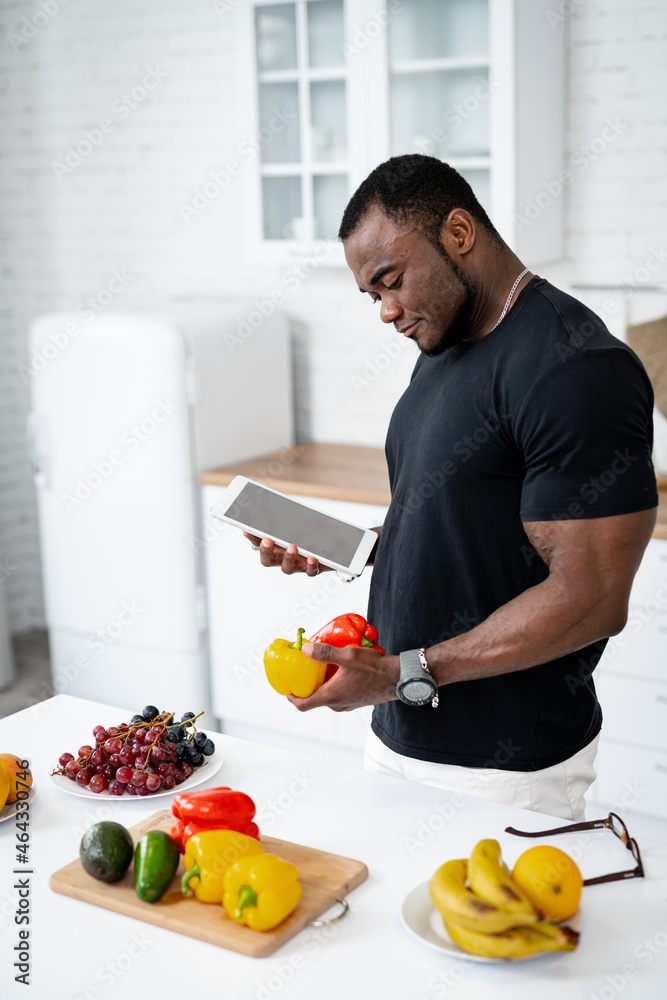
<point x="289" y="559"/>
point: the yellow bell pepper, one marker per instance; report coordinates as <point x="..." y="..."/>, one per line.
<point x="259" y="892"/>
<point x="289" y="671"/>
<point x="207" y="857"/>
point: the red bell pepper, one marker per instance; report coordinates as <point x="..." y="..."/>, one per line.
<point x="214" y="803"/>
<point x="347" y="630"/>
<point x="212" y="809"/>
<point x="182" y="830"/>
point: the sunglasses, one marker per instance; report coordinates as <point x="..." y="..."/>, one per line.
<point x="617" y="827"/>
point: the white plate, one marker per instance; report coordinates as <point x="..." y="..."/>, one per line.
<point x="8" y="811"/>
<point x="422" y="920"/>
<point x="203" y="773"/>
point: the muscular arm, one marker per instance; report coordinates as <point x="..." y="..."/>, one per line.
<point x="584" y="598"/>
<point x="592" y="564"/>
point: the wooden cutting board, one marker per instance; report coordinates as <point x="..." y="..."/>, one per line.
<point x="323" y="877"/>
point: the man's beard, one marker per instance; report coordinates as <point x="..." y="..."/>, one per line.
<point x="459" y="328"/>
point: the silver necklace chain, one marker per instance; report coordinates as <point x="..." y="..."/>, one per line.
<point x="509" y="298"/>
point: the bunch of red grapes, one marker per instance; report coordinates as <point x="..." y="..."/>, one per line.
<point x="149" y="753"/>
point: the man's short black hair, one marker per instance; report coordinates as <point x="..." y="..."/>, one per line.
<point x="415" y="190"/>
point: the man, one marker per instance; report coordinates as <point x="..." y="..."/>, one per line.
<point x="523" y="497"/>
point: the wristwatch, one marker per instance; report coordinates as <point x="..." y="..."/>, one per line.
<point x="415" y="684"/>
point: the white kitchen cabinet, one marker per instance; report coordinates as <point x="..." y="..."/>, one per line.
<point x="629" y="780"/>
<point x="631" y="681"/>
<point x="334" y="87"/>
<point x="635" y="709"/>
<point x="649" y="589"/>
<point x="249" y="606"/>
<point x="640" y="650"/>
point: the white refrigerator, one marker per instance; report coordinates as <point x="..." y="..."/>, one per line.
<point x="127" y="410"/>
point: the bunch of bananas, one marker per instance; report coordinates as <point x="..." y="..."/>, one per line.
<point x="492" y="917"/>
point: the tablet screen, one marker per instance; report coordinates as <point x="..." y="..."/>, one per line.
<point x="279" y="517"/>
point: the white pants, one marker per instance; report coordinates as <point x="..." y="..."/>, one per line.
<point x="556" y="791"/>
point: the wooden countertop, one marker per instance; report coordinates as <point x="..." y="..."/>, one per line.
<point x="341" y="472"/>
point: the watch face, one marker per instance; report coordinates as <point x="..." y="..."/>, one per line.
<point x="417" y="690"/>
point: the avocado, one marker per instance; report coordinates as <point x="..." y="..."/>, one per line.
<point x="155" y="864"/>
<point x="106" y="851"/>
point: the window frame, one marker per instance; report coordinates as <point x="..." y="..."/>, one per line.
<point x="526" y="65"/>
<point x="306" y="167"/>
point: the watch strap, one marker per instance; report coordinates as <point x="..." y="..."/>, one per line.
<point x="414" y="670"/>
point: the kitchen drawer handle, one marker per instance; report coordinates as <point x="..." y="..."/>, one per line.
<point x="332" y="920"/>
<point x="661" y="698"/>
<point x="661" y="767"/>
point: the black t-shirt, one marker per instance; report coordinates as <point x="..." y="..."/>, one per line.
<point x="547" y="417"/>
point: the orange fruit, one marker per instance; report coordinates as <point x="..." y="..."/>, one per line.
<point x="551" y="880"/>
<point x="11" y="765"/>
<point x="4" y="788"/>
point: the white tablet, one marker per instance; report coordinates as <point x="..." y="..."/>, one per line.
<point x="270" y="514"/>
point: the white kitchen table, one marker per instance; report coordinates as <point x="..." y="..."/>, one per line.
<point x="403" y="831"/>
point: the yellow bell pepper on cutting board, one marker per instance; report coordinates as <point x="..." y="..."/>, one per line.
<point x="207" y="857"/>
<point x="261" y="891"/>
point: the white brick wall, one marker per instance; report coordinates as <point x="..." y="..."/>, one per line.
<point x="119" y="209"/>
